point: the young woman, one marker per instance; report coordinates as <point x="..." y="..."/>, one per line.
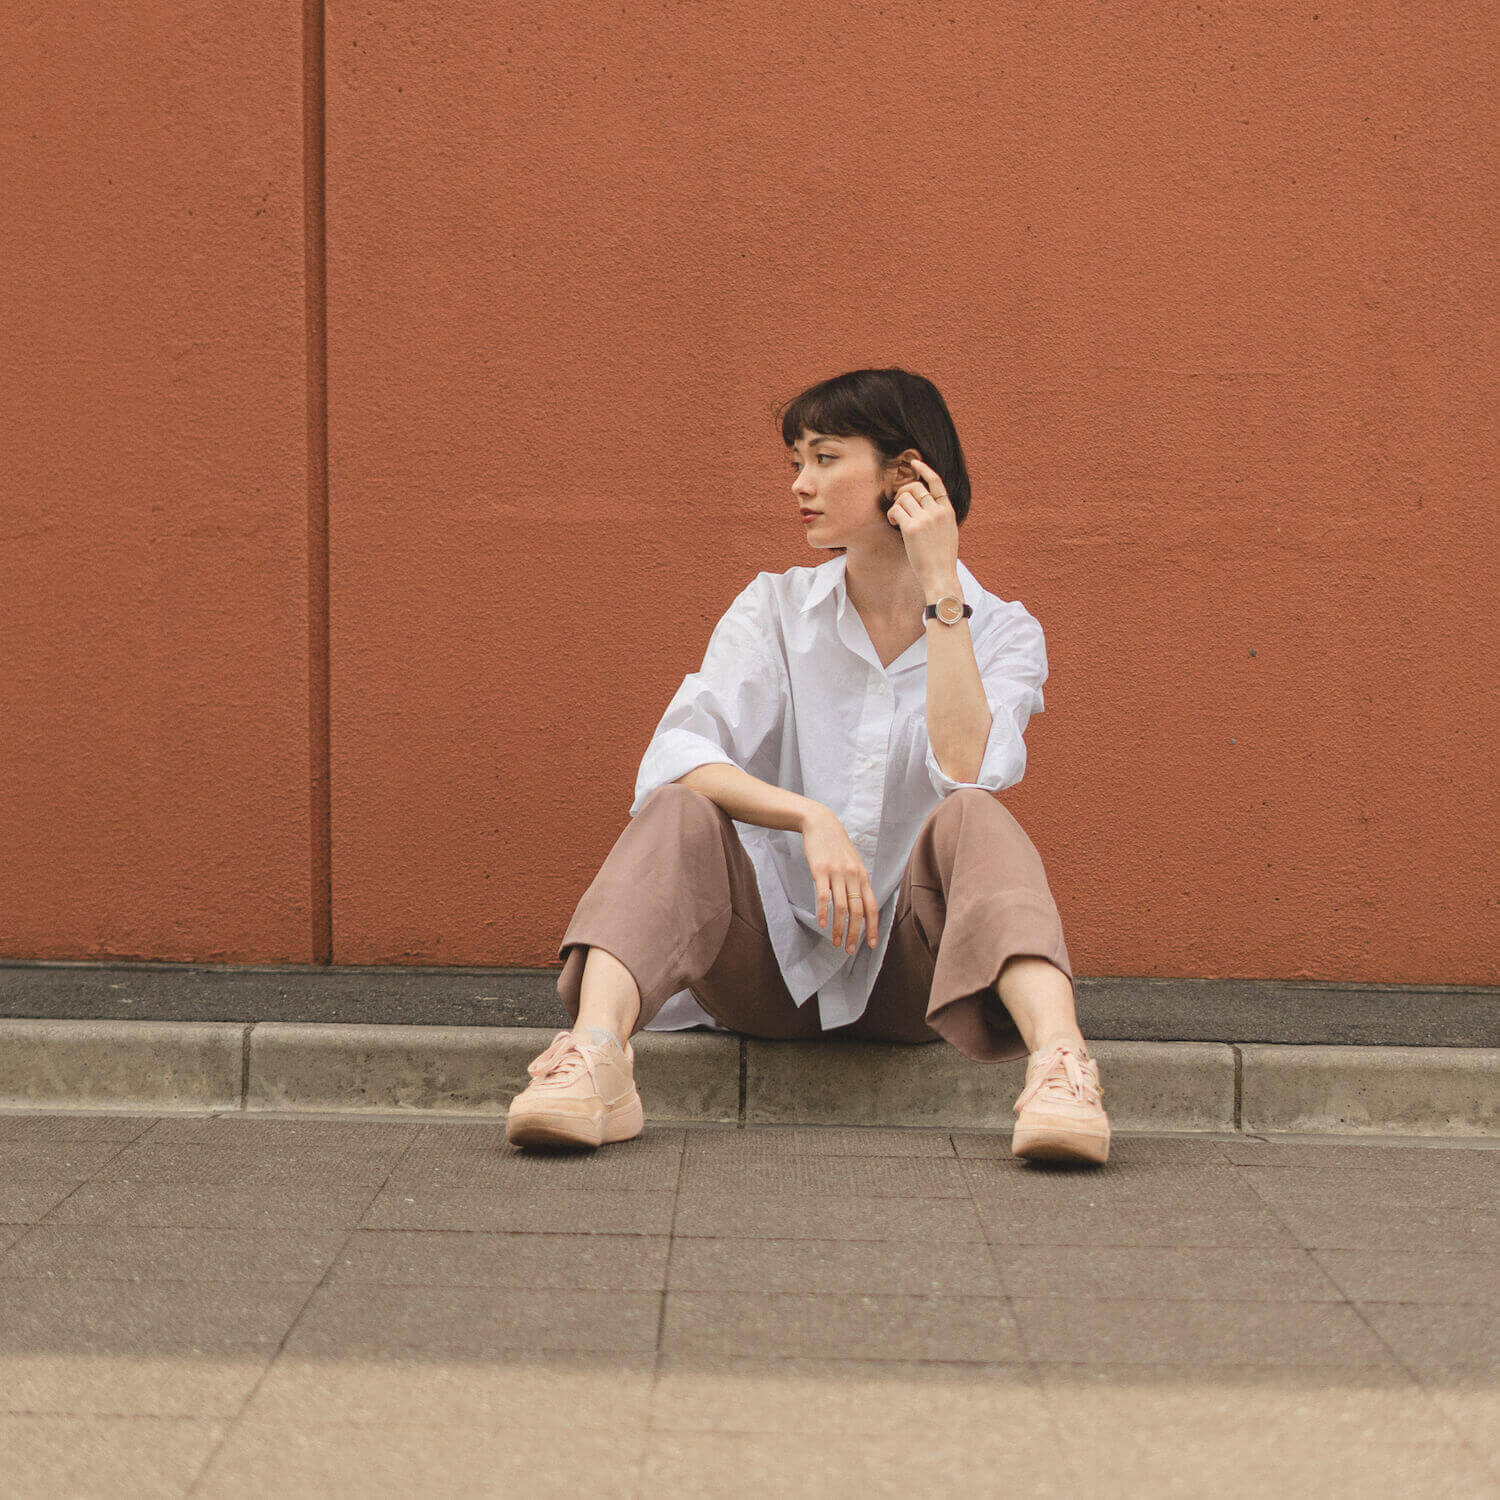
<point x="827" y="776"/>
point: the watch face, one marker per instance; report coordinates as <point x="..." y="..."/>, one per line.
<point x="950" y="610"/>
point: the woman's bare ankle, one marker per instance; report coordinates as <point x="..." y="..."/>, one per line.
<point x="1048" y="1040"/>
<point x="608" y="997"/>
<point x="581" y="1031"/>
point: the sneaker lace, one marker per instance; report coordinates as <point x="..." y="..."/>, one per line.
<point x="1063" y="1074"/>
<point x="563" y="1060"/>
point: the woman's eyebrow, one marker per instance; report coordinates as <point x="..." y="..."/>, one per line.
<point x="814" y="443"/>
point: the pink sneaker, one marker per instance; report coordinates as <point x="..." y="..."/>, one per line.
<point x="582" y="1093"/>
<point x="1059" y="1113"/>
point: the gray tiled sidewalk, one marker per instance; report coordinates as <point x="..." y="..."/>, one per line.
<point x="241" y="1305"/>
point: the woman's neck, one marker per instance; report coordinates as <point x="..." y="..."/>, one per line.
<point x="882" y="586"/>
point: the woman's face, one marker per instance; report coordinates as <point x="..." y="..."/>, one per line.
<point x="841" y="479"/>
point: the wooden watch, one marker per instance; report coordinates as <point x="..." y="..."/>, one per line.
<point x="949" y="609"/>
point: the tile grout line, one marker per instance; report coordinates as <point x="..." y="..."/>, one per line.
<point x="233" y="1421"/>
<point x="1028" y="1361"/>
<point x="1458" y="1435"/>
<point x="661" y="1324"/>
<point x="46" y="1218"/>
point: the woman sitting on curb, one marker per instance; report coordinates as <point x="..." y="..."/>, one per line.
<point x="832" y="766"/>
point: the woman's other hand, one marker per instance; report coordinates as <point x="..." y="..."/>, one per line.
<point x="842" y="882"/>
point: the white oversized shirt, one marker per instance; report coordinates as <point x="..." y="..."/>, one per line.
<point x="792" y="690"/>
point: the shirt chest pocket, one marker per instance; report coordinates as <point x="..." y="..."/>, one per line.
<point x="909" y="742"/>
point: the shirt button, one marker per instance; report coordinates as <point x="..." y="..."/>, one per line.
<point x="880" y="687"/>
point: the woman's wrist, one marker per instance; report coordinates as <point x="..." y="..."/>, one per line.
<point x="944" y="588"/>
<point x="811" y="814"/>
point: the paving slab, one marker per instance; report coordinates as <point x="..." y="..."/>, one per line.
<point x="1472" y="1407"/>
<point x="790" y="1309"/>
<point x="1432" y="1276"/>
<point x="843" y="1325"/>
<point x="84" y="1125"/>
<point x="775" y="1216"/>
<point x="1154" y="1331"/>
<point x="471" y="1322"/>
<point x="1438" y="1341"/>
<point x="524" y="1390"/>
<point x="524" y="1209"/>
<point x="719" y="1393"/>
<point x="392" y="1461"/>
<point x="210" y="1205"/>
<point x="130" y="1381"/>
<point x="172" y="1253"/>
<point x="1238" y="1404"/>
<point x="44" y="1454"/>
<point x="1163" y="1217"/>
<point x="1013" y="1462"/>
<point x="1192" y="1465"/>
<point x="875" y="1266"/>
<point x="1176" y="1273"/>
<point x="597" y="1262"/>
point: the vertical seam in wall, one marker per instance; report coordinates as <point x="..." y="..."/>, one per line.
<point x="315" y="282"/>
<point x="245" y="1065"/>
<point x="744" y="1067"/>
<point x="1239" y="1088"/>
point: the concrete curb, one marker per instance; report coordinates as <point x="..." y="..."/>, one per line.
<point x="196" y="1066"/>
<point x="1163" y="1086"/>
<point x="1372" y="1090"/>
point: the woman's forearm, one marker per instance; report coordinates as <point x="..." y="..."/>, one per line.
<point x="750" y="799"/>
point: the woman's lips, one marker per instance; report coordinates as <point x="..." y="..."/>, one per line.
<point x="810" y="515"/>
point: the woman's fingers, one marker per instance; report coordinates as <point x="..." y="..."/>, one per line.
<point x="863" y="906"/>
<point x="844" y="920"/>
<point x="830" y="897"/>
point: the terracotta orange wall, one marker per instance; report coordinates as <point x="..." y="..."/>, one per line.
<point x="153" y="510"/>
<point x="1209" y="293"/>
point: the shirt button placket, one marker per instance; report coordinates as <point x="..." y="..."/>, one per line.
<point x="866" y="801"/>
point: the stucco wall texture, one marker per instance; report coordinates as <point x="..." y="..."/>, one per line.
<point x="1209" y="290"/>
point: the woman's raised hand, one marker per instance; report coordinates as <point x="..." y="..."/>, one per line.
<point x="841" y="880"/>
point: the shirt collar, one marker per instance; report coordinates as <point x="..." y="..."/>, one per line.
<point x="830" y="575"/>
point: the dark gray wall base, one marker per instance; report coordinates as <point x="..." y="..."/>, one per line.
<point x="1111" y="1009"/>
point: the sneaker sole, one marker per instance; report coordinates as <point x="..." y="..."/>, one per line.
<point x="1050" y="1143"/>
<point x="537" y="1128"/>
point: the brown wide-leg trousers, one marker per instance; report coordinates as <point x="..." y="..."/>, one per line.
<point x="676" y="901"/>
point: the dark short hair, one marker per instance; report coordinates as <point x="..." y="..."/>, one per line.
<point x="896" y="410"/>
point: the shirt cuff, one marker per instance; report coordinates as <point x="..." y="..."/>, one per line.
<point x="672" y="755"/>
<point x="1003" y="764"/>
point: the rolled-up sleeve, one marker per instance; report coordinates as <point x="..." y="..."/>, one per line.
<point x="731" y="709"/>
<point x="1011" y="653"/>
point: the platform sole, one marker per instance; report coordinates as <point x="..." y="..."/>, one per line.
<point x="557" y="1128"/>
<point x="1052" y="1143"/>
